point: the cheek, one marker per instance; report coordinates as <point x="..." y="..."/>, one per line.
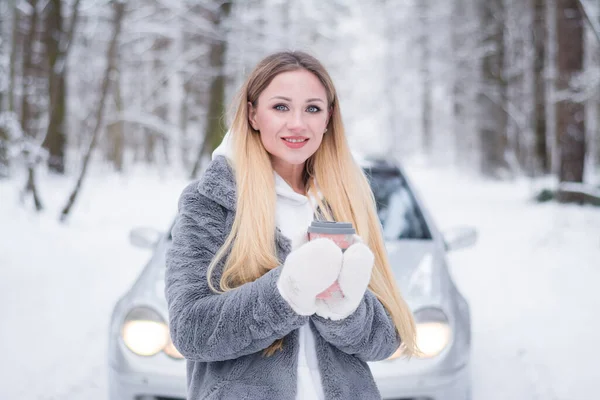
<point x="318" y="141"/>
<point x="318" y="124"/>
<point x="269" y="127"/>
<point x="269" y="122"/>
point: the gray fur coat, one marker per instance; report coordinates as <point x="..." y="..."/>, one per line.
<point x="222" y="335"/>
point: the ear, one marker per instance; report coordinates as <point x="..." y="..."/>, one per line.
<point x="329" y="115"/>
<point x="252" y="116"/>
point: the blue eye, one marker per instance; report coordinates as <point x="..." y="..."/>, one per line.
<point x="313" y="109"/>
<point x="280" y="107"/>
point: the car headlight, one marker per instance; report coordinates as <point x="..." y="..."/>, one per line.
<point x="145" y="332"/>
<point x="433" y="331"/>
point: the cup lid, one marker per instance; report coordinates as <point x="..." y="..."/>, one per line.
<point x="331" y="228"/>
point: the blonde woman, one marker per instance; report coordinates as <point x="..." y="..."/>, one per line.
<point x="242" y="280"/>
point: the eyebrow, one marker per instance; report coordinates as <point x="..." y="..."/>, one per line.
<point x="288" y="99"/>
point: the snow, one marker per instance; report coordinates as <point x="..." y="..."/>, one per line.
<point x="531" y="281"/>
<point x="58" y="283"/>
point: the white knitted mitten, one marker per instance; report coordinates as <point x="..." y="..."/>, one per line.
<point x="355" y="275"/>
<point x="308" y="271"/>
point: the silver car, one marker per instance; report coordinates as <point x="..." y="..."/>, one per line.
<point x="144" y="364"/>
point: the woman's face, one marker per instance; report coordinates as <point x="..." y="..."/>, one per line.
<point x="291" y="116"/>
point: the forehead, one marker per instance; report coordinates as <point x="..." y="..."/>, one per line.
<point x="297" y="85"/>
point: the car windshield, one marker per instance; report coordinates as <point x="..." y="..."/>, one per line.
<point x="397" y="208"/>
<point x="398" y="211"/>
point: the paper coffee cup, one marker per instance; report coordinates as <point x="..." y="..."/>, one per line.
<point x="342" y="233"/>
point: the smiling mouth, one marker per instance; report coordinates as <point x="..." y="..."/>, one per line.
<point x="295" y="140"/>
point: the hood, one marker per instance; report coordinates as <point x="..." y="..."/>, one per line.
<point x="224" y="149"/>
<point x="286" y="193"/>
<point x="420" y="270"/>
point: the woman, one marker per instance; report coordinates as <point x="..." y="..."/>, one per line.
<point x="242" y="280"/>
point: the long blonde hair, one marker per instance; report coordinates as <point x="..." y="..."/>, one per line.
<point x="250" y="246"/>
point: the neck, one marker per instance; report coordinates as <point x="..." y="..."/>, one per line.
<point x="293" y="175"/>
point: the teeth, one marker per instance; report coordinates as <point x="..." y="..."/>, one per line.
<point x="295" y="140"/>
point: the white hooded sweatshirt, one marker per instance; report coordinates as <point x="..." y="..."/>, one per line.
<point x="294" y="214"/>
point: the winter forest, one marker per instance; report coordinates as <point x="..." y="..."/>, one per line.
<point x="502" y="87"/>
<point x="108" y="108"/>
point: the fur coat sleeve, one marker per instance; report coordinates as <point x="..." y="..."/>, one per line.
<point x="207" y="326"/>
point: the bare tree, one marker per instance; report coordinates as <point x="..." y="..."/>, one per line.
<point x="465" y="53"/>
<point x="58" y="38"/>
<point x="215" y="127"/>
<point x="27" y="115"/>
<point x="596" y="61"/>
<point x="116" y="129"/>
<point x="458" y="87"/>
<point x="111" y="65"/>
<point x="13" y="57"/>
<point x="518" y="70"/>
<point x="540" y="38"/>
<point x="570" y="111"/>
<point x="426" y="78"/>
<point x="492" y="96"/>
<point x="5" y="49"/>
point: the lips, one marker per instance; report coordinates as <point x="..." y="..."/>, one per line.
<point x="296" y="139"/>
<point x="295" y="142"/>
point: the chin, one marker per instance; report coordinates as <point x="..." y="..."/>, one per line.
<point x="299" y="159"/>
<point x="294" y="159"/>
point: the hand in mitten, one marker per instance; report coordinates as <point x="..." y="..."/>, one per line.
<point x="308" y="271"/>
<point x="334" y="291"/>
<point x="354" y="278"/>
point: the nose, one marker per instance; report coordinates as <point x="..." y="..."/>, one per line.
<point x="296" y="122"/>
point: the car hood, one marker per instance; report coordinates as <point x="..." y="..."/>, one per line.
<point x="420" y="270"/>
<point x="418" y="267"/>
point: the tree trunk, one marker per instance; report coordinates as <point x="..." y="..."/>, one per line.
<point x="58" y="42"/>
<point x="111" y="64"/>
<point x="215" y="129"/>
<point x="492" y="97"/>
<point x="541" y="149"/>
<point x="161" y="108"/>
<point x="26" y="111"/>
<point x="4" y="92"/>
<point x="26" y="107"/>
<point x="426" y="104"/>
<point x="13" y="58"/>
<point x="458" y="86"/>
<point x="465" y="44"/>
<point x="570" y="113"/>
<point x="116" y="130"/>
<point x="184" y="115"/>
<point x="598" y="113"/>
<point x="517" y="76"/>
<point x="149" y="146"/>
<point x="56" y="136"/>
<point x="4" y="57"/>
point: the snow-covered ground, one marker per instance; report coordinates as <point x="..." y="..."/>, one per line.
<point x="531" y="282"/>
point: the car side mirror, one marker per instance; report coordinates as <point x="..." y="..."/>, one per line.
<point x="144" y="237"/>
<point x="460" y="237"/>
